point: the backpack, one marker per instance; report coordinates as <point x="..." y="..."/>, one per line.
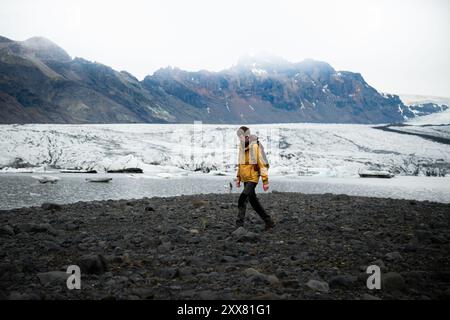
<point x="263" y="155"/>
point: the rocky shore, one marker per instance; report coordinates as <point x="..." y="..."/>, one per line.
<point x="187" y="247"/>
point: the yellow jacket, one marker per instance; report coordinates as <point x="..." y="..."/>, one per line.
<point x="249" y="162"/>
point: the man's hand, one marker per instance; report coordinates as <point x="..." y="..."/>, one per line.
<point x="238" y="183"/>
<point x="266" y="187"/>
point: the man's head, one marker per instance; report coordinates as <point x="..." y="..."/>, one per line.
<point x="243" y="132"/>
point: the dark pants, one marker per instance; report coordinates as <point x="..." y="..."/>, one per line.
<point x="249" y="194"/>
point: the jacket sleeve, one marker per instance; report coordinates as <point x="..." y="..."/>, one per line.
<point x="263" y="170"/>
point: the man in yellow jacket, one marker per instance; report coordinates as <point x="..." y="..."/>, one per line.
<point x="251" y="166"/>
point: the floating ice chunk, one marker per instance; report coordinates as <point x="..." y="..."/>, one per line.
<point x="46" y="179"/>
<point x="17" y="170"/>
<point x="218" y="173"/>
<point x="164" y="175"/>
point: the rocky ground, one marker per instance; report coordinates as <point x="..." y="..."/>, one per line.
<point x="188" y="248"/>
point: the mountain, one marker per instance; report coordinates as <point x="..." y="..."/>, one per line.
<point x="418" y="105"/>
<point x="428" y="109"/>
<point x="41" y="83"/>
<point x="275" y="90"/>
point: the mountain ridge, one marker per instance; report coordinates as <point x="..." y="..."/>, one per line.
<point x="40" y="82"/>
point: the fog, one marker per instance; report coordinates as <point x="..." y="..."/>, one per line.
<point x="398" y="46"/>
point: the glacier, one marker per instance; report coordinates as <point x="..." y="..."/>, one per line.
<point x="166" y="150"/>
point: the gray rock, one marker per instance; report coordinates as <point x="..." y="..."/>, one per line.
<point x="228" y="259"/>
<point x="168" y="273"/>
<point x="19" y="296"/>
<point x="269" y="295"/>
<point x="410" y="247"/>
<point x="258" y="277"/>
<point x="44" y="227"/>
<point x="71" y="227"/>
<point x="23" y="236"/>
<point x="164" y="247"/>
<point x="291" y="283"/>
<point x="93" y="264"/>
<point x="53" y="277"/>
<point x="342" y="281"/>
<point x="207" y="295"/>
<point x="177" y="230"/>
<point x="185" y="271"/>
<point x="121" y="279"/>
<point x="251" y="272"/>
<point x="316" y="285"/>
<point x="242" y="235"/>
<point x="393" y="256"/>
<point x="241" y="231"/>
<point x="51" y="246"/>
<point x="144" y="293"/>
<point x="273" y="280"/>
<point x="7" y="230"/>
<point x="367" y="296"/>
<point x="378" y="262"/>
<point x="249" y="237"/>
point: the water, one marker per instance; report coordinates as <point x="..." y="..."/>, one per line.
<point x="21" y="190"/>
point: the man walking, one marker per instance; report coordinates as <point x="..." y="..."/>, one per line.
<point x="252" y="165"/>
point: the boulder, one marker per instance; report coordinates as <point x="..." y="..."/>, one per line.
<point x="242" y="235"/>
<point x="93" y="264"/>
<point x="393" y="256"/>
<point x="342" y="281"/>
<point x="7" y="230"/>
<point x="53" y="277"/>
<point x="320" y="286"/>
<point x="392" y="281"/>
<point x="50" y="206"/>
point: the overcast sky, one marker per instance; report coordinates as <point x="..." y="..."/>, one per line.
<point x="399" y="46"/>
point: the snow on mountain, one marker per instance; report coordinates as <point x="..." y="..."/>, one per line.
<point x="426" y="109"/>
<point x="292" y="149"/>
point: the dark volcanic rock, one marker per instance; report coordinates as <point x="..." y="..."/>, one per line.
<point x="7" y="230"/>
<point x="93" y="264"/>
<point x="317" y="285"/>
<point x="50" y="206"/>
<point x="53" y="277"/>
<point x="392" y="281"/>
<point x="242" y="235"/>
<point x="316" y="253"/>
<point x="342" y="281"/>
